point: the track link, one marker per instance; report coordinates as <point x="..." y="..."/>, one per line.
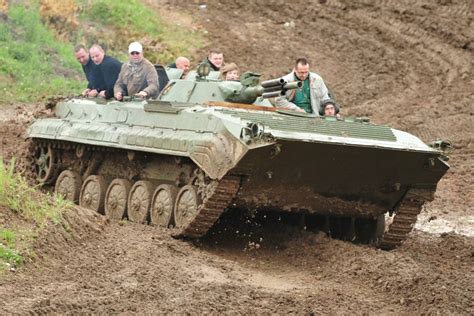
<point x="212" y="208"/>
<point x="405" y="218"/>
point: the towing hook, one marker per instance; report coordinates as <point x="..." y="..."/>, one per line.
<point x="252" y="132"/>
<point x="444" y="145"/>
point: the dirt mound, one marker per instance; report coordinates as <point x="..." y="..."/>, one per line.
<point x="13" y="121"/>
<point x="404" y="64"/>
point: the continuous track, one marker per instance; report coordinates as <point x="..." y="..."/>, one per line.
<point x="405" y="218"/>
<point x="212" y="208"/>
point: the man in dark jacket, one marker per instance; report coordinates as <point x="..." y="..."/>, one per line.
<point x="109" y="69"/>
<point x="215" y="59"/>
<point x="95" y="82"/>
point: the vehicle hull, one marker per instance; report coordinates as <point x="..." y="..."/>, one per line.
<point x="332" y="178"/>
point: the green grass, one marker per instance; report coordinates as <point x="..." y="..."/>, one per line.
<point x="134" y="20"/>
<point x="8" y="254"/>
<point x="30" y="206"/>
<point x="17" y="195"/>
<point x="32" y="59"/>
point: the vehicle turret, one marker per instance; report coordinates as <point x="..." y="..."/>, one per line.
<point x="205" y="87"/>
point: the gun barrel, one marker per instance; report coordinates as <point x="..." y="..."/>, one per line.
<point x="273" y="94"/>
<point x="292" y="85"/>
<point x="276" y="90"/>
<point x="271" y="89"/>
<point x="252" y="91"/>
<point x="249" y="93"/>
<point x="273" y="83"/>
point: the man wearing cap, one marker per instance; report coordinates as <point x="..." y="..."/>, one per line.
<point x="311" y="97"/>
<point x="138" y="76"/>
<point x="109" y="70"/>
<point x="230" y="72"/>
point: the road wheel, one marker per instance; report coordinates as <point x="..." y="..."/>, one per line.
<point x="187" y="206"/>
<point x="139" y="201"/>
<point x="93" y="193"/>
<point x="45" y="164"/>
<point x="162" y="205"/>
<point x="116" y="198"/>
<point x="68" y="185"/>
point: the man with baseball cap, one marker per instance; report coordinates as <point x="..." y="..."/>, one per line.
<point x="138" y="76"/>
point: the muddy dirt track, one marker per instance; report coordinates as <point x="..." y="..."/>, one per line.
<point x="403" y="63"/>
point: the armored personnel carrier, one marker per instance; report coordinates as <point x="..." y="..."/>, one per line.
<point x="206" y="145"/>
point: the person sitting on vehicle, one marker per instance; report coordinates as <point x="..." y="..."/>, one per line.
<point x="183" y="63"/>
<point x="95" y="82"/>
<point x="310" y="97"/>
<point x="138" y="76"/>
<point x="109" y="69"/>
<point x="329" y="109"/>
<point x="230" y="72"/>
<point x="215" y="59"/>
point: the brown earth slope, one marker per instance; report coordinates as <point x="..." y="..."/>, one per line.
<point x="403" y="63"/>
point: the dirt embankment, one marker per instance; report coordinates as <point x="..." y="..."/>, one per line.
<point x="401" y="63"/>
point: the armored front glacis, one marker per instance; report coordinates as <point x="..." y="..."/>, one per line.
<point x="205" y="145"/>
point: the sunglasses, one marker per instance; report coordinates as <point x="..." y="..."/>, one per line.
<point x="134" y="53"/>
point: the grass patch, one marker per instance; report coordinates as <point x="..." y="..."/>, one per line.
<point x="17" y="195"/>
<point x="32" y="59"/>
<point x="30" y="206"/>
<point x="132" y="20"/>
<point x="8" y="254"/>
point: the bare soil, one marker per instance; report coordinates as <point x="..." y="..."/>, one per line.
<point x="407" y="64"/>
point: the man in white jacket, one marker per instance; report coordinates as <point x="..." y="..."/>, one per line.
<point x="311" y="97"/>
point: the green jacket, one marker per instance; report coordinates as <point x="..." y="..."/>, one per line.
<point x="134" y="78"/>
<point x="319" y="94"/>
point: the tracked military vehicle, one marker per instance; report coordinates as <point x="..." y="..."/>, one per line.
<point x="206" y="145"/>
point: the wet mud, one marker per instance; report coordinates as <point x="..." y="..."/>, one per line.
<point x="402" y="63"/>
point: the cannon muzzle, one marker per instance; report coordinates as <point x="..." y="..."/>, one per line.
<point x="277" y="87"/>
<point x="273" y="83"/>
<point x="292" y="85"/>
